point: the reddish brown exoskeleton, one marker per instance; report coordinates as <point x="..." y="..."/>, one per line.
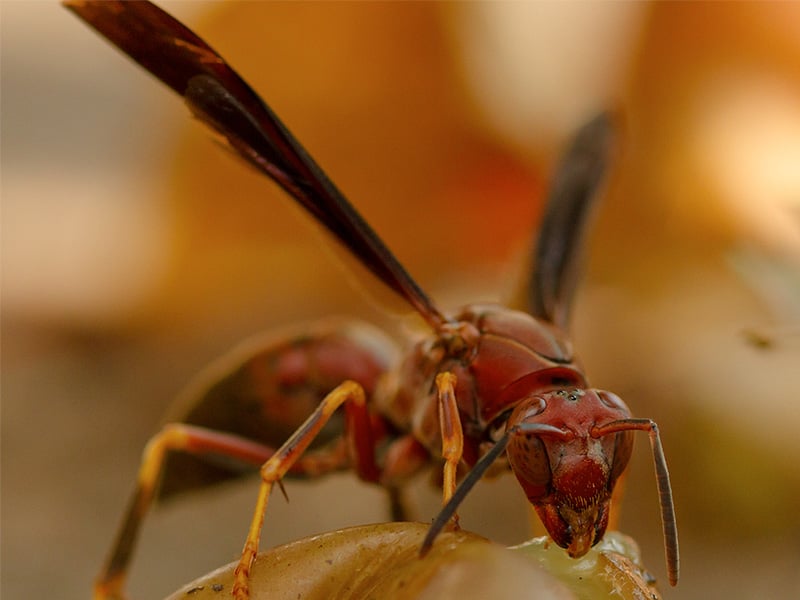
<point x="489" y="384"/>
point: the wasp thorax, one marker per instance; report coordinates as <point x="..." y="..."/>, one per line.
<point x="459" y="339"/>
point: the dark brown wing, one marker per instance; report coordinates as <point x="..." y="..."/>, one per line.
<point x="572" y="193"/>
<point x="217" y="95"/>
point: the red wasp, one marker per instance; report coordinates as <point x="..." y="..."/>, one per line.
<point x="487" y="385"/>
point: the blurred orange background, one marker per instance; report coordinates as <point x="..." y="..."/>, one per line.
<point x="135" y="251"/>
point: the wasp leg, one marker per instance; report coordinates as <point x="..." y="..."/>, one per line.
<point x="179" y="437"/>
<point x="617" y="495"/>
<point x="173" y="437"/>
<point x="398" y="504"/>
<point x="452" y="435"/>
<point x="403" y="458"/>
<point x="273" y="470"/>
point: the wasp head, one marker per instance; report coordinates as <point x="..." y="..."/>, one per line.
<point x="568" y="473"/>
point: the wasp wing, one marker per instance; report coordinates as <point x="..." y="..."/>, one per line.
<point x="218" y="96"/>
<point x="572" y="193"/>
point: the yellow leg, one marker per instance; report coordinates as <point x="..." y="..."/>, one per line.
<point x="110" y="582"/>
<point x="616" y="502"/>
<point x="452" y="435"/>
<point x="277" y="466"/>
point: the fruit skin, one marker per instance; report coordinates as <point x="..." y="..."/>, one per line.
<point x="381" y="561"/>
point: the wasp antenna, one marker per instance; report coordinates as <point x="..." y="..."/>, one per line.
<point x="449" y="509"/>
<point x="668" y="521"/>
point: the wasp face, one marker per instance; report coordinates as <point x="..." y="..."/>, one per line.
<point x="567" y="474"/>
